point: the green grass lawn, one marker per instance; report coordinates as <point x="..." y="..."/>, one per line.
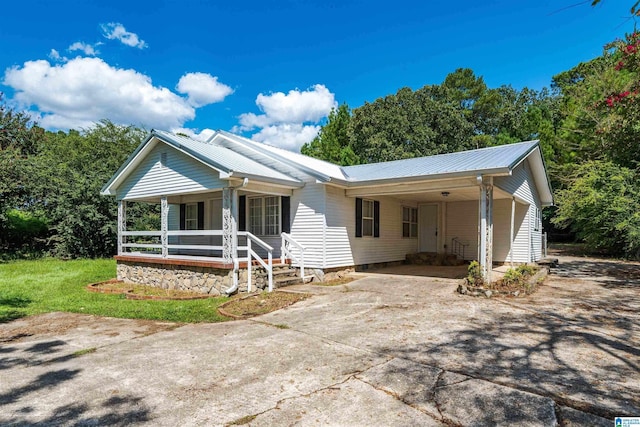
<point x="45" y="285"/>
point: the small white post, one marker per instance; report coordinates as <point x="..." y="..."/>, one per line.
<point x="302" y="264"/>
<point x="248" y="264"/>
<point x="122" y="223"/>
<point x="164" y="225"/>
<point x="270" y="272"/>
<point x="282" y="248"/>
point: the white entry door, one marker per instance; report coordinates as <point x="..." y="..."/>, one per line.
<point x="428" y="227"/>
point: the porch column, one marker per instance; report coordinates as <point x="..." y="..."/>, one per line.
<point x="485" y="237"/>
<point x="164" y="225"/>
<point x="227" y="225"/>
<point x="513" y="214"/>
<point x="122" y="223"/>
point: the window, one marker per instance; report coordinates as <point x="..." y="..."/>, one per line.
<point x="264" y="215"/>
<point x="367" y="218"/>
<point x="191" y="216"/>
<point x="163" y="160"/>
<point x="409" y="222"/>
<point x="538" y="223"/>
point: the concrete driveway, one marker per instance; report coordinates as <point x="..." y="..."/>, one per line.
<point x="383" y="350"/>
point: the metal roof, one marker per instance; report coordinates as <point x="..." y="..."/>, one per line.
<point x="223" y="158"/>
<point x="483" y="160"/>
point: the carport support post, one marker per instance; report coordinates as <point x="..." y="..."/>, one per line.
<point x="485" y="238"/>
<point x="122" y="223"/>
<point x="164" y="226"/>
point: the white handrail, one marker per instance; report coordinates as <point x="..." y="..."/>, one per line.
<point x="285" y="252"/>
<point x="252" y="254"/>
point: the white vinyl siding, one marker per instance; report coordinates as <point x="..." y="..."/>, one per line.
<point x="180" y="175"/>
<point x="308" y="222"/>
<point x="344" y="249"/>
<point x="462" y="223"/>
<point x="528" y="241"/>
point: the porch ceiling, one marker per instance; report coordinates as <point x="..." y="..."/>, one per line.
<point x="457" y="189"/>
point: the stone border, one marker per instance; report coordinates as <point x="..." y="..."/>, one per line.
<point x="481" y="291"/>
<point x="93" y="287"/>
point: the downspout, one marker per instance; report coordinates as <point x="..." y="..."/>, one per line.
<point x="236" y="263"/>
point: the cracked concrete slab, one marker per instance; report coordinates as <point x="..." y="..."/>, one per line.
<point x="352" y="403"/>
<point x="408" y="344"/>
<point x="478" y="402"/>
<point x="411" y="382"/>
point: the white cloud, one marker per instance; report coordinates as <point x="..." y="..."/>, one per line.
<point x="116" y="31"/>
<point x="295" y="107"/>
<point x="203" y="135"/>
<point x="85" y="90"/>
<point x="202" y="89"/>
<point x="55" y="55"/>
<point x="84" y="47"/>
<point x="288" y="136"/>
<point x="290" y="119"/>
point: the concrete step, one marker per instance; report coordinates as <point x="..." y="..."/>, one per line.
<point x="279" y="282"/>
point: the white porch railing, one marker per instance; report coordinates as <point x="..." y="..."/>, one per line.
<point x="172" y="250"/>
<point x="286" y="252"/>
<point x="152" y="246"/>
<point x="251" y="255"/>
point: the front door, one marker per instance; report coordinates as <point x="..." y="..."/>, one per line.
<point x="428" y="227"/>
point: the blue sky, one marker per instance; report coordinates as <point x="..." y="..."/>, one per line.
<point x="273" y="70"/>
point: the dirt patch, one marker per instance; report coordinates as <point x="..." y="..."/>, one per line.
<point x="143" y="292"/>
<point x="58" y="323"/>
<point x="256" y="304"/>
<point x="336" y="282"/>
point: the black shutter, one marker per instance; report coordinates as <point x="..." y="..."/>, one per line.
<point x="285" y="220"/>
<point x="376" y="219"/>
<point x="183" y="216"/>
<point x="358" y="217"/>
<point x="242" y="213"/>
<point x="200" y="215"/>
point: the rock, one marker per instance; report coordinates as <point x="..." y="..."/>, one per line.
<point x="463" y="289"/>
<point x="516" y="293"/>
<point x="488" y="293"/>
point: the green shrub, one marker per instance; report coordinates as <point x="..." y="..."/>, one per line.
<point x="526" y="270"/>
<point x="513" y="277"/>
<point x="474" y="274"/>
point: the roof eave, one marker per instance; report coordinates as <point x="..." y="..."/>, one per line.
<point x="503" y="171"/>
<point x="275" y="181"/>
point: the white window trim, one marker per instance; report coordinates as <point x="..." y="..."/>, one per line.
<point x="372" y="217"/>
<point x="263" y="215"/>
<point x="538" y="220"/>
<point x="410" y="222"/>
<point x="192" y="220"/>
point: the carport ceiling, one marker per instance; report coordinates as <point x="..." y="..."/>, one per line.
<point x="455" y="195"/>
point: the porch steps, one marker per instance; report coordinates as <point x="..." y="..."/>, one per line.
<point x="283" y="275"/>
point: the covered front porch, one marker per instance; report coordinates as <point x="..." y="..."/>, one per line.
<point x="204" y="237"/>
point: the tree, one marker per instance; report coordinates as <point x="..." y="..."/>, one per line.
<point x="332" y="143"/>
<point x="72" y="168"/>
<point x="603" y="208"/>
